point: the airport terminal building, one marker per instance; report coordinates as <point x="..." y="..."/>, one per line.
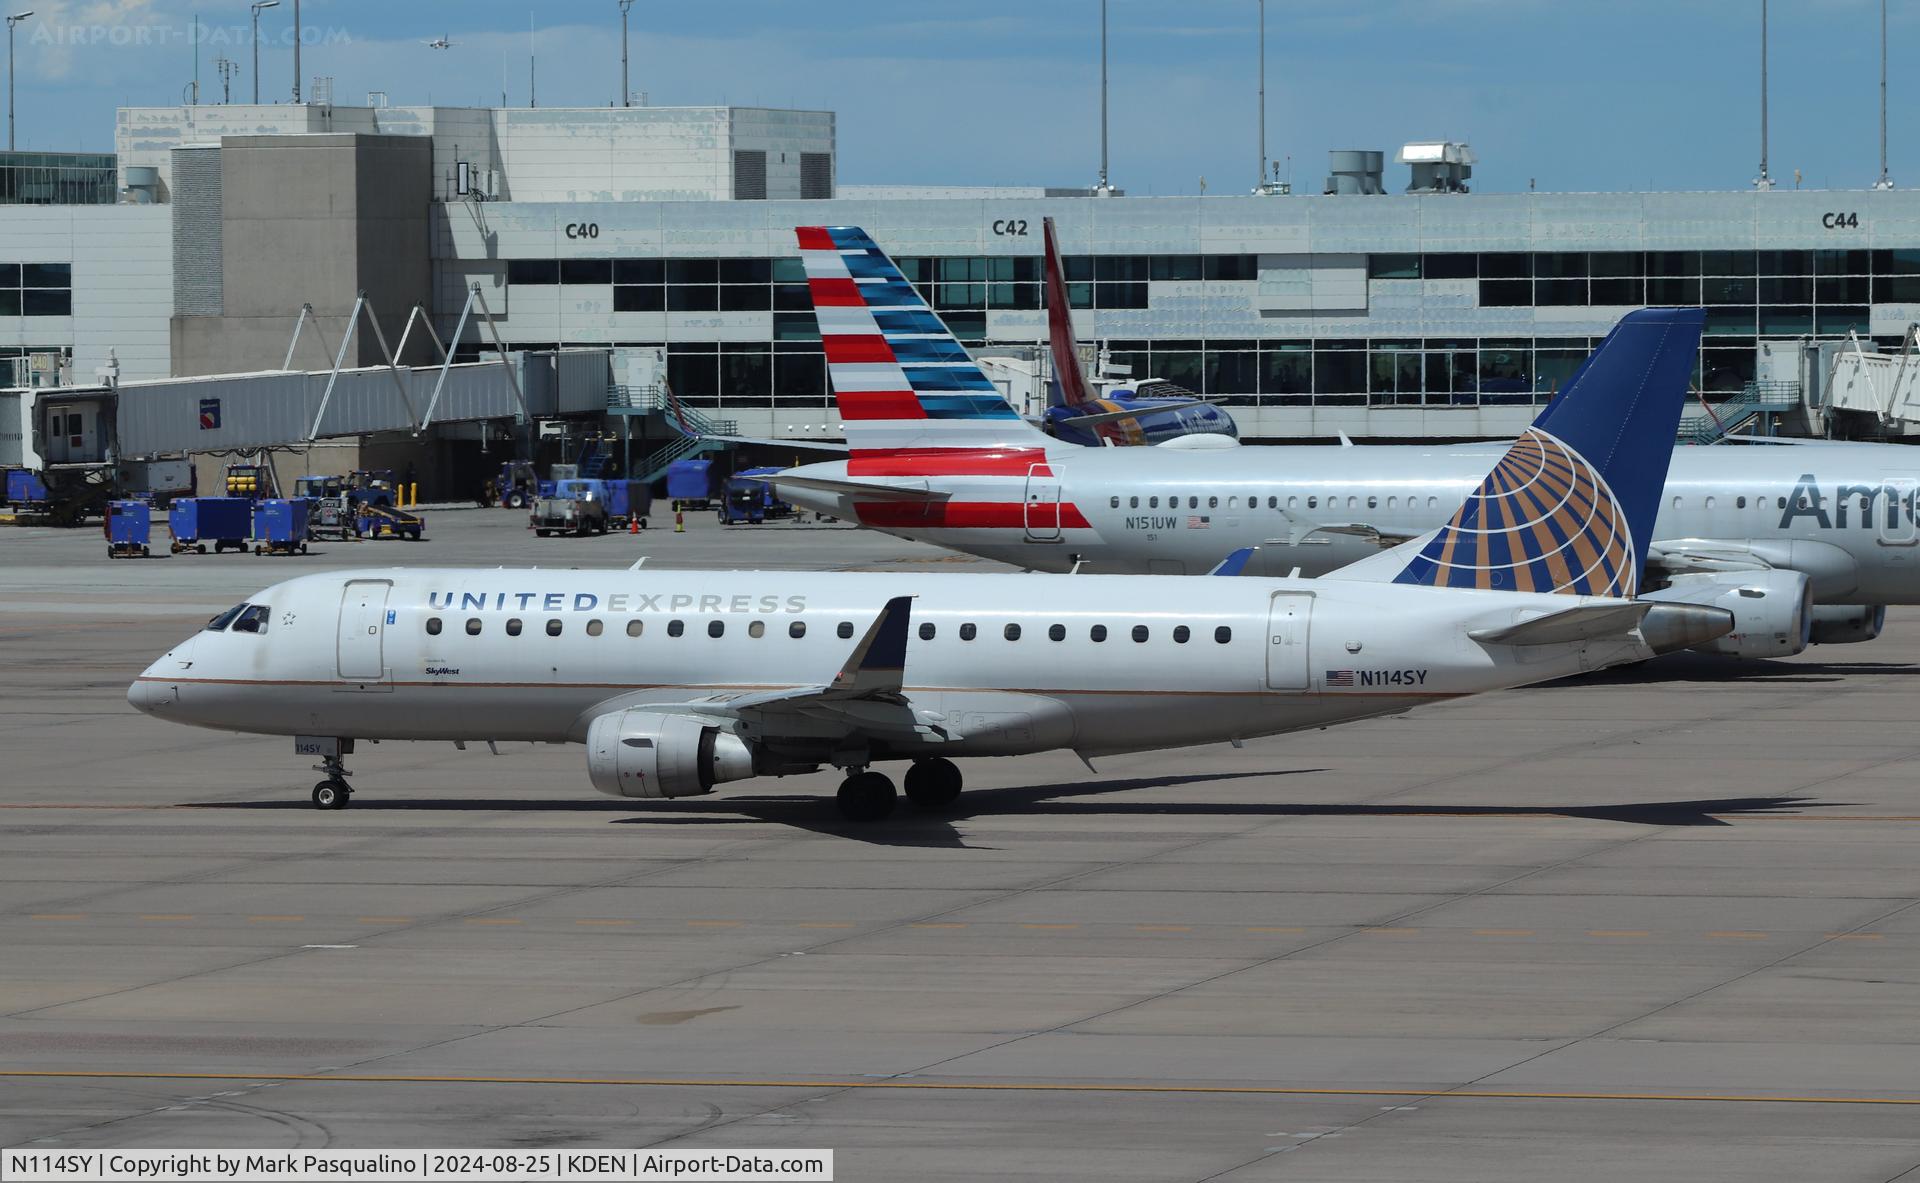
<point x="666" y="235"/>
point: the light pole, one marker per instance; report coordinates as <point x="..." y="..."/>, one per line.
<point x="626" y="96"/>
<point x="296" y="50"/>
<point x="13" y="20"/>
<point x="258" y="5"/>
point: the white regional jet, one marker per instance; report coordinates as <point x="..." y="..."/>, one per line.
<point x="1803" y="543"/>
<point x="678" y="681"/>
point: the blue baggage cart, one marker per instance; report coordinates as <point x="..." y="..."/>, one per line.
<point x="226" y="522"/>
<point x="629" y="503"/>
<point x="129" y="529"/>
<point x="25" y="488"/>
<point x="690" y="484"/>
<point x="280" y="525"/>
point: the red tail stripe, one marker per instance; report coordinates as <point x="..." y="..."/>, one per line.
<point x="946" y="461"/>
<point x="844" y="348"/>
<point x="814" y="238"/>
<point x="862" y="405"/>
<point x="971" y="515"/>
<point x="835" y="293"/>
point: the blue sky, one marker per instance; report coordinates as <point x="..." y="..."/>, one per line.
<point x="1571" y="94"/>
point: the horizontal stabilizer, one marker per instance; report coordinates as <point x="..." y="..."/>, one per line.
<point x="1101" y="418"/>
<point x="1381" y="536"/>
<point x="1582" y="622"/>
<point x="862" y="489"/>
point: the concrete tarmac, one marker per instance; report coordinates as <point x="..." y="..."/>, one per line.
<point x="1658" y="924"/>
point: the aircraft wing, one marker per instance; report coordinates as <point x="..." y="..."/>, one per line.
<point x="1689" y="556"/>
<point x="1380" y="536"/>
<point x="1101" y="418"/>
<point x="867" y="490"/>
<point x="808" y="445"/>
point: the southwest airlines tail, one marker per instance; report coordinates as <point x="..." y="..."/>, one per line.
<point x="1570" y="507"/>
<point x="1069" y="381"/>
<point x="907" y="390"/>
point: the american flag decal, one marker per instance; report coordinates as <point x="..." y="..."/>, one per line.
<point x="1198" y="522"/>
<point x="1339" y="679"/>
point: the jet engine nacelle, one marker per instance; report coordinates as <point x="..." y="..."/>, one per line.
<point x="1846" y="624"/>
<point x="649" y="754"/>
<point x="1772" y="610"/>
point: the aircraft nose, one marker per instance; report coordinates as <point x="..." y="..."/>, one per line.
<point x="153" y="691"/>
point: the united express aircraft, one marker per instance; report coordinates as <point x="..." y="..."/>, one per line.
<point x="678" y="681"/>
<point x="1804" y="543"/>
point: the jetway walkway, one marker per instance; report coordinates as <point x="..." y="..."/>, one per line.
<point x="1884" y="385"/>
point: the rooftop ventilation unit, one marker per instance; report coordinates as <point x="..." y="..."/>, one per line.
<point x="1352" y="171"/>
<point x="1439" y="166"/>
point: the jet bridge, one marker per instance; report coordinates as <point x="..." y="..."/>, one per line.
<point x="1883" y="385"/>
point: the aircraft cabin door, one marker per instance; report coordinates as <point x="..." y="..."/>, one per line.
<point x="363" y="622"/>
<point x="1289" y="621"/>
<point x="1895" y="523"/>
<point x="1042" y="508"/>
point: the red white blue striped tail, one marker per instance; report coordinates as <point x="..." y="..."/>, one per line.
<point x="903" y="382"/>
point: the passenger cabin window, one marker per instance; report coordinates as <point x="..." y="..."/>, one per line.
<point x="473" y="626"/>
<point x="797" y="629"/>
<point x="1739" y="502"/>
<point x="595" y="628"/>
<point x="845" y="630"/>
<point x="1097" y="633"/>
<point x="1213" y="503"/>
<point x="1222" y="635"/>
<point x="635" y="627"/>
<point x="1011" y="632"/>
<point x="1114" y="502"/>
<point x="926" y="631"/>
<point x="1133" y="503"/>
<point x="513" y="627"/>
<point x="1193" y="503"/>
<point x="252" y="619"/>
<point x="1056" y="632"/>
<point x="1313" y="503"/>
<point x="1273" y="503"/>
<point x="1180" y="634"/>
<point x="716" y="628"/>
<point x="1139" y="634"/>
<point x="968" y="631"/>
<point x="1153" y="503"/>
<point x="553" y="627"/>
<point x="219" y="623"/>
<point x="433" y="626"/>
<point x="676" y="627"/>
<point x="1373" y="503"/>
<point x="757" y="629"/>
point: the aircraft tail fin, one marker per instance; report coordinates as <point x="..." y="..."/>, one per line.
<point x="1570" y="507"/>
<point x="905" y="385"/>
<point x="1069" y="381"/>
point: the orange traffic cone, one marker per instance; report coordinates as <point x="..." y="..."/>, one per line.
<point x="679" y="522"/>
<point x="633" y="525"/>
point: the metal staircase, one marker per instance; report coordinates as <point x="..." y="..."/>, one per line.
<point x="696" y="431"/>
<point x="1757" y="400"/>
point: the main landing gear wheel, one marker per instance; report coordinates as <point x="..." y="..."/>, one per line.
<point x="867" y="797"/>
<point x="933" y="784"/>
<point x="331" y="794"/>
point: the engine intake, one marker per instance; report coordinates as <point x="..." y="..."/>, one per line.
<point x="1847" y="624"/>
<point x="649" y="754"/>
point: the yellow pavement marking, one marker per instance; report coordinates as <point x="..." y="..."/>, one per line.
<point x="384" y="919"/>
<point x="603" y="922"/>
<point x="274" y="919"/>
<point x="1163" y="928"/>
<point x="169" y="916"/>
<point x="1050" y="926"/>
<point x="1265" y="928"/>
<point x="1503" y="932"/>
<point x="59" y="916"/>
<point x="1618" y="932"/>
<point x="492" y="920"/>
<point x="1740" y="936"/>
<point x="1008" y="1086"/>
<point x="713" y="923"/>
<point x="823" y="924"/>
<point x="934" y="924"/>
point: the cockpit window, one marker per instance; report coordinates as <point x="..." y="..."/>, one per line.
<point x="252" y="619"/>
<point x="219" y="623"/>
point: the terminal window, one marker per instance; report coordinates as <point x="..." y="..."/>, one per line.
<point x="36" y="289"/>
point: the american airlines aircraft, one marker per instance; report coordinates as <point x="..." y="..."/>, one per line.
<point x="1804" y="543"/>
<point x="678" y="681"/>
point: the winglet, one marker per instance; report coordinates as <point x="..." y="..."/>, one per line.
<point x="878" y="663"/>
<point x="1234" y="563"/>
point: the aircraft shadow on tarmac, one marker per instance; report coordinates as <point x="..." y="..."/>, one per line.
<point x="1703" y="667"/>
<point x="1080" y="799"/>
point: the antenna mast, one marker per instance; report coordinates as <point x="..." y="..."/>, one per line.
<point x="1103" y="189"/>
<point x="1763" y="181"/>
<point x="1885" y="181"/>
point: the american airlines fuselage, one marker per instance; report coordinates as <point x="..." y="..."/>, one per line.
<point x="1844" y="513"/>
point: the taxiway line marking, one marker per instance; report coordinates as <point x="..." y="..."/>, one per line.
<point x="1004" y="1086"/>
<point x="713" y="924"/>
<point x="493" y="920"/>
<point x="603" y="922"/>
<point x="168" y="916"/>
<point x="383" y="919"/>
<point x="933" y="924"/>
<point x="1503" y="932"/>
<point x="275" y="919"/>
<point x="1740" y="936"/>
<point x="1163" y="928"/>
<point x="1618" y="932"/>
<point x="1051" y="927"/>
